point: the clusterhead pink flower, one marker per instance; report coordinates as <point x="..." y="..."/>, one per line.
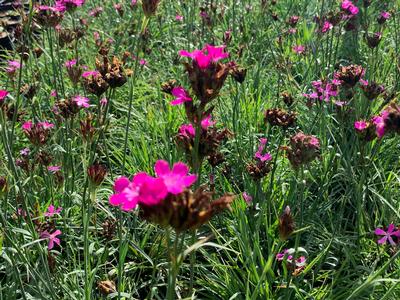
<point x="143" y="189"/>
<point x="299" y="49"/>
<point x="3" y="95"/>
<point x="53" y="169"/>
<point x="187" y="130"/>
<point x="326" y="27"/>
<point x="387" y="235"/>
<point x="51" y="211"/>
<point x="263" y="157"/>
<point x="181" y="96"/>
<point x="175" y="179"/>
<point x="209" y="54"/>
<point x="52" y="237"/>
<point x="81" y="101"/>
<point x="360" y="125"/>
<point x="247" y="197"/>
<point x="349" y="7"/>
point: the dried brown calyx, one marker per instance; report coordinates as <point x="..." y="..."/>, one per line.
<point x="303" y="149"/>
<point x="279" y="117"/>
<point x="186" y="211"/>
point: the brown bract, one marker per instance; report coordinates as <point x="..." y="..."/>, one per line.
<point x="286" y="224"/>
<point x="95" y="84"/>
<point x="303" y="149"/>
<point x="187" y="210"/>
<point x="279" y="117"/>
<point x="372" y="90"/>
<point x="259" y="169"/>
<point x="96" y="173"/>
<point x="150" y="7"/>
<point x="392" y="122"/>
<point x="350" y="75"/>
<point x="206" y="83"/>
<point x="112" y="72"/>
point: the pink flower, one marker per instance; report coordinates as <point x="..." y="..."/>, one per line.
<point x="385" y="15"/>
<point x="263" y="157"/>
<point x="52" y="237"/>
<point x="46" y="125"/>
<point x="363" y="82"/>
<point x="25" y="152"/>
<point x="247" y="197"/>
<point x="178" y="18"/>
<point x="70" y="63"/>
<point x="53" y="169"/>
<point x="387" y="235"/>
<point x="67" y="5"/>
<point x="379" y="122"/>
<point x="95" y="12"/>
<point x="51" y="211"/>
<point x="143" y="189"/>
<point x="3" y="95"/>
<point x="187" y="130"/>
<point x="326" y="27"/>
<point x="209" y="54"/>
<point x="143" y="62"/>
<point x="13" y="66"/>
<point x="349" y="7"/>
<point x="27" y="126"/>
<point x="53" y="93"/>
<point x="360" y="125"/>
<point x="177" y="179"/>
<point x="299" y="49"/>
<point x="207" y="122"/>
<point x="81" y="101"/>
<point x="90" y="73"/>
<point x="133" y="2"/>
<point x="103" y="101"/>
<point x="181" y="96"/>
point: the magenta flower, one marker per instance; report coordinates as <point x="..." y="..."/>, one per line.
<point x="52" y="237"/>
<point x="187" y="130"/>
<point x="46" y="125"/>
<point x="177" y="179"/>
<point x="143" y="62"/>
<point x="67" y="5"/>
<point x="104" y="101"/>
<point x="70" y="63"/>
<point x="209" y="54"/>
<point x="181" y="96"/>
<point x="27" y="126"/>
<point x="349" y="7"/>
<point x="81" y="101"/>
<point x="360" y="125"/>
<point x="143" y="189"/>
<point x="387" y="235"/>
<point x="3" y="95"/>
<point x="90" y="73"/>
<point x="385" y="15"/>
<point x="263" y="157"/>
<point x="379" y="122"/>
<point x="51" y="211"/>
<point x="299" y="49"/>
<point x="207" y="122"/>
<point x="178" y="18"/>
<point x="326" y="27"/>
<point x="53" y="93"/>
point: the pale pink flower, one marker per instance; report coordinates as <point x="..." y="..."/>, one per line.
<point x="46" y="125"/>
<point x="13" y="66"/>
<point x="299" y="49"/>
<point x="178" y="18"/>
<point x="52" y="237"/>
<point x="247" y="197"/>
<point x="70" y="63"/>
<point x="103" y="101"/>
<point x="53" y="169"/>
<point x="143" y="62"/>
<point x="51" y="211"/>
<point x="175" y="179"/>
<point x="181" y="96"/>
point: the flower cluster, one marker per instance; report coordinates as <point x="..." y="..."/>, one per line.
<point x="37" y="133"/>
<point x="166" y="198"/>
<point x="261" y="167"/>
<point x="295" y="264"/>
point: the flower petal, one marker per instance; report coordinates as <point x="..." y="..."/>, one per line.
<point x="161" y="168"/>
<point x="120" y="184"/>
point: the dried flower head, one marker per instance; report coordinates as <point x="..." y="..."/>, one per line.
<point x="303" y="149"/>
<point x="286" y="224"/>
<point x="96" y="173"/>
<point x="279" y="117"/>
<point x="150" y="7"/>
<point x="187" y="210"/>
<point x="349" y="75"/>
